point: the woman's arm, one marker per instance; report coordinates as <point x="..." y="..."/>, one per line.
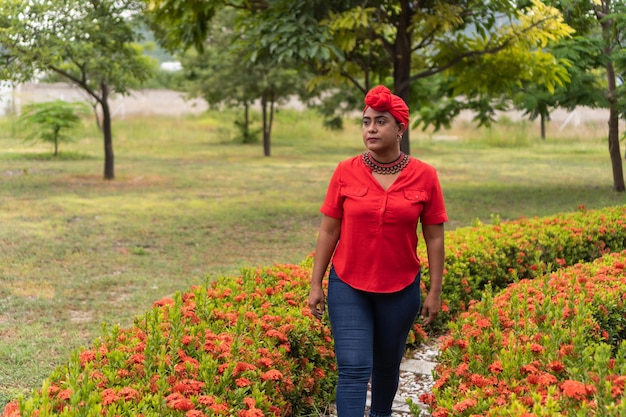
<point x="433" y="237"/>
<point x="324" y="249"/>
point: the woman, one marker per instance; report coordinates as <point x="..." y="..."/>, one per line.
<point x="369" y="231"/>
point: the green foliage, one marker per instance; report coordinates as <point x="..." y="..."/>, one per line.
<point x="553" y="346"/>
<point x="478" y="50"/>
<point x="496" y="256"/>
<point x="239" y="346"/>
<point x="92" y="44"/>
<point x="49" y="121"/>
<point x="247" y="345"/>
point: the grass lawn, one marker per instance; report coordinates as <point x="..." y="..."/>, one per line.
<point x="189" y="204"/>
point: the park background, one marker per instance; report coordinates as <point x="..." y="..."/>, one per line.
<point x="190" y="204"/>
<point x="79" y="251"/>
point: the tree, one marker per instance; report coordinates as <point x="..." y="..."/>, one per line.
<point x="601" y="30"/>
<point x="222" y="75"/>
<point x="48" y="121"/>
<point x="476" y="47"/>
<point x="585" y="88"/>
<point x="89" y="42"/>
<point x="613" y="23"/>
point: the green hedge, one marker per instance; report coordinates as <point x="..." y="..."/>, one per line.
<point x="553" y="346"/>
<point x="248" y="346"/>
<point x="242" y="347"/>
<point x="501" y="254"/>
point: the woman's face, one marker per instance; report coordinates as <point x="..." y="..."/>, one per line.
<point x="381" y="131"/>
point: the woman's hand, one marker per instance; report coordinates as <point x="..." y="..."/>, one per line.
<point x="317" y="303"/>
<point x="431" y="308"/>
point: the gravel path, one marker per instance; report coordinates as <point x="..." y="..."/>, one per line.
<point x="415" y="380"/>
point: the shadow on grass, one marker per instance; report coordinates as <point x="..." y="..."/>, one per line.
<point x="61" y="156"/>
<point x="508" y="201"/>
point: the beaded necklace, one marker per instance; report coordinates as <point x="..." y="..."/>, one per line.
<point x="385" y="168"/>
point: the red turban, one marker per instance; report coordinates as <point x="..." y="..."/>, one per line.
<point x="381" y="99"/>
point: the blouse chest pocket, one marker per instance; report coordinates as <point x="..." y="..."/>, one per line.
<point x="353" y="191"/>
<point x="417" y="196"/>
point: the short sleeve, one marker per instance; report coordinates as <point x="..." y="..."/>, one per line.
<point x="333" y="203"/>
<point x="435" y="209"/>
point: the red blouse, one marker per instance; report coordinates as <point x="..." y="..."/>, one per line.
<point x="377" y="248"/>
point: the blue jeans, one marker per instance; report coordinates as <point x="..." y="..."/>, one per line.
<point x="369" y="331"/>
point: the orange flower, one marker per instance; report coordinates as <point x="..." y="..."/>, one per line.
<point x="556" y="366"/>
<point x="428" y="399"/>
<point x="243" y="382"/>
<point x="440" y="412"/>
<point x="464" y="405"/>
<point x="536" y="348"/>
<point x="177" y="401"/>
<point x="574" y="389"/>
<point x="243" y="366"/>
<point x="128" y="393"/>
<point x="206" y="400"/>
<point x="12" y="409"/>
<point x="272" y="375"/>
<point x="64" y="394"/>
<point x="109" y="396"/>
<point x="618" y="386"/>
<point x="86" y="357"/>
<point x="277" y="334"/>
<point x="496" y="367"/>
<point x="163" y="302"/>
<point x="188" y="387"/>
<point x="462" y="369"/>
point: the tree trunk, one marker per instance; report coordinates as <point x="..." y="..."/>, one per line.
<point x="109" y="167"/>
<point x="614" y="152"/>
<point x="56" y="141"/>
<point x="543" y="126"/>
<point x="246" y="122"/>
<point x="402" y="65"/>
<point x="266" y="128"/>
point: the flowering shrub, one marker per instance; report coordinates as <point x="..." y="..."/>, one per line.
<point x="248" y="346"/>
<point x="552" y="346"/>
<point x="498" y="255"/>
<point x="241" y="347"/>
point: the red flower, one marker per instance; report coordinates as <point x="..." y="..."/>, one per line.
<point x="163" y="302"/>
<point x="272" y="375"/>
<point x="556" y="366"/>
<point x="462" y="369"/>
<point x="12" y="409"/>
<point x="188" y="387"/>
<point x="483" y="322"/>
<point x="566" y="350"/>
<point x="496" y="367"/>
<point x="536" y="348"/>
<point x="618" y="386"/>
<point x="86" y="357"/>
<point x="243" y="382"/>
<point x="277" y="334"/>
<point x="464" y="405"/>
<point x="109" y="396"/>
<point x="440" y="412"/>
<point x="177" y="401"/>
<point x="243" y="366"/>
<point x="574" y="389"/>
<point x="219" y="408"/>
<point x="128" y="393"/>
<point x="206" y="400"/>
<point x="64" y="394"/>
<point x="547" y="379"/>
<point x="428" y="399"/>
